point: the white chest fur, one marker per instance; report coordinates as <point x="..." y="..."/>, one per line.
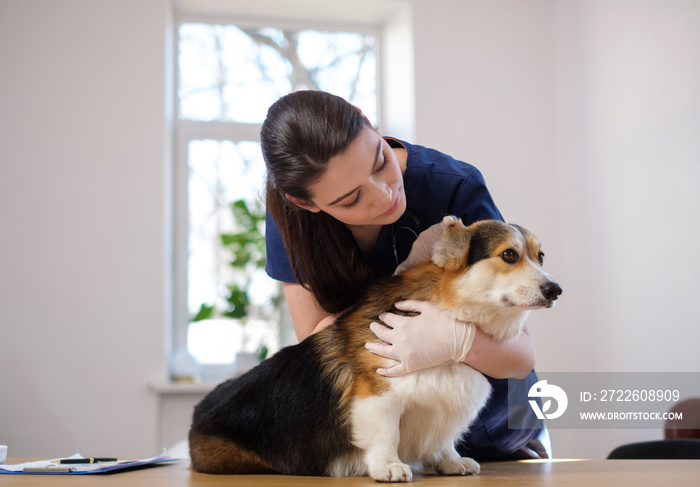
<point x="422" y="414"/>
<point x="438" y="405"/>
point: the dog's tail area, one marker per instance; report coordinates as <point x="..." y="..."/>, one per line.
<point x="213" y="454"/>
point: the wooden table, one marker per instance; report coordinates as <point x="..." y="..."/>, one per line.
<point x="595" y="473"/>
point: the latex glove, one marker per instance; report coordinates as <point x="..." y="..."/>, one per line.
<point x="422" y="249"/>
<point x="418" y="342"/>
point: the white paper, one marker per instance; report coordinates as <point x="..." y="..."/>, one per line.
<point x="52" y="466"/>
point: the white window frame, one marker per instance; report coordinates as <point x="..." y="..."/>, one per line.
<point x="186" y="130"/>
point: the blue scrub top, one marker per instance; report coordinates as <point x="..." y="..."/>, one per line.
<point x="437" y="185"/>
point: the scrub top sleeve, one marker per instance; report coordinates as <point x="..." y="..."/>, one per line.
<point x="473" y="202"/>
<point x="277" y="263"/>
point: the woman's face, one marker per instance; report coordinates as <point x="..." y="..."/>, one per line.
<point x="363" y="185"/>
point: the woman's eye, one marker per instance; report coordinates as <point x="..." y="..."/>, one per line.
<point x="510" y="256"/>
<point x="354" y="203"/>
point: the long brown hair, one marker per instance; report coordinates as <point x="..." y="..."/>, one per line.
<point x="301" y="133"/>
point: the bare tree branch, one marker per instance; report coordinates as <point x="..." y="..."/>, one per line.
<point x="221" y="74"/>
<point x="300" y="77"/>
<point x="366" y="48"/>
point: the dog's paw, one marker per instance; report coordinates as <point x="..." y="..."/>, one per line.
<point x="458" y="466"/>
<point x="391" y="472"/>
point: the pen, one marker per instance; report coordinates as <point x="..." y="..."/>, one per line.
<point x="47" y="470"/>
<point x="68" y="461"/>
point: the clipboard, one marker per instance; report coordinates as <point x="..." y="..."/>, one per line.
<point x="52" y="467"/>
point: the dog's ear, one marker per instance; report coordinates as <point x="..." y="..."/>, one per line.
<point x="451" y="249"/>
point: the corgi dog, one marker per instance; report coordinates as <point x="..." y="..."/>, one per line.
<point x="320" y="408"/>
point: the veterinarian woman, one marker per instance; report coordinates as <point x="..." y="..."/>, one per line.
<point x="346" y="206"/>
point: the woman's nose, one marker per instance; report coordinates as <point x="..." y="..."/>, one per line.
<point x="383" y="192"/>
<point x="387" y="193"/>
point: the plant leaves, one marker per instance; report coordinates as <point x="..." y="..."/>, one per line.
<point x="238" y="303"/>
<point x="205" y="312"/>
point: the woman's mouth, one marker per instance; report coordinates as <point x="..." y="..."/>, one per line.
<point x="394" y="206"/>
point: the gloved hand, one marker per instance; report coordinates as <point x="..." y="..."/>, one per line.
<point x="422" y="249"/>
<point x="419" y="342"/>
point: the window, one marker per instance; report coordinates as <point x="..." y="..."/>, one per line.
<point x="227" y="77"/>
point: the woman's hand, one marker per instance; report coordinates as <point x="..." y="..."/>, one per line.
<point x="419" y="342"/>
<point x="433" y="338"/>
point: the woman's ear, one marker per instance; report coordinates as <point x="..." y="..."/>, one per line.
<point x="306" y="205"/>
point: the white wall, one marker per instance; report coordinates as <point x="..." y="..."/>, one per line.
<point x="584" y="117"/>
<point x="582" y="114"/>
<point x="628" y="120"/>
<point x="83" y="199"/>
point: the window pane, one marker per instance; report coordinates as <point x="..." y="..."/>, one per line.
<point x="344" y="64"/>
<point x="220" y="172"/>
<point x="226" y="75"/>
<point x="229" y="73"/>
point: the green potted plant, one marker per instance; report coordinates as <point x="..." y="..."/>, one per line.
<point x="246" y="250"/>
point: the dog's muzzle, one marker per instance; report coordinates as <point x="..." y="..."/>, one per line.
<point x="551" y="291"/>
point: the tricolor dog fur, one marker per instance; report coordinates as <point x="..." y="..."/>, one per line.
<point x="320" y="408"/>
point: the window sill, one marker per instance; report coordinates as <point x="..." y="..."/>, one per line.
<point x="181" y="388"/>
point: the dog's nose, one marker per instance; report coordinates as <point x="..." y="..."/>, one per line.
<point x="551" y="290"/>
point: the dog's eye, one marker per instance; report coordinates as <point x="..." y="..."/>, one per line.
<point x="510" y="256"/>
<point x="540" y="256"/>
